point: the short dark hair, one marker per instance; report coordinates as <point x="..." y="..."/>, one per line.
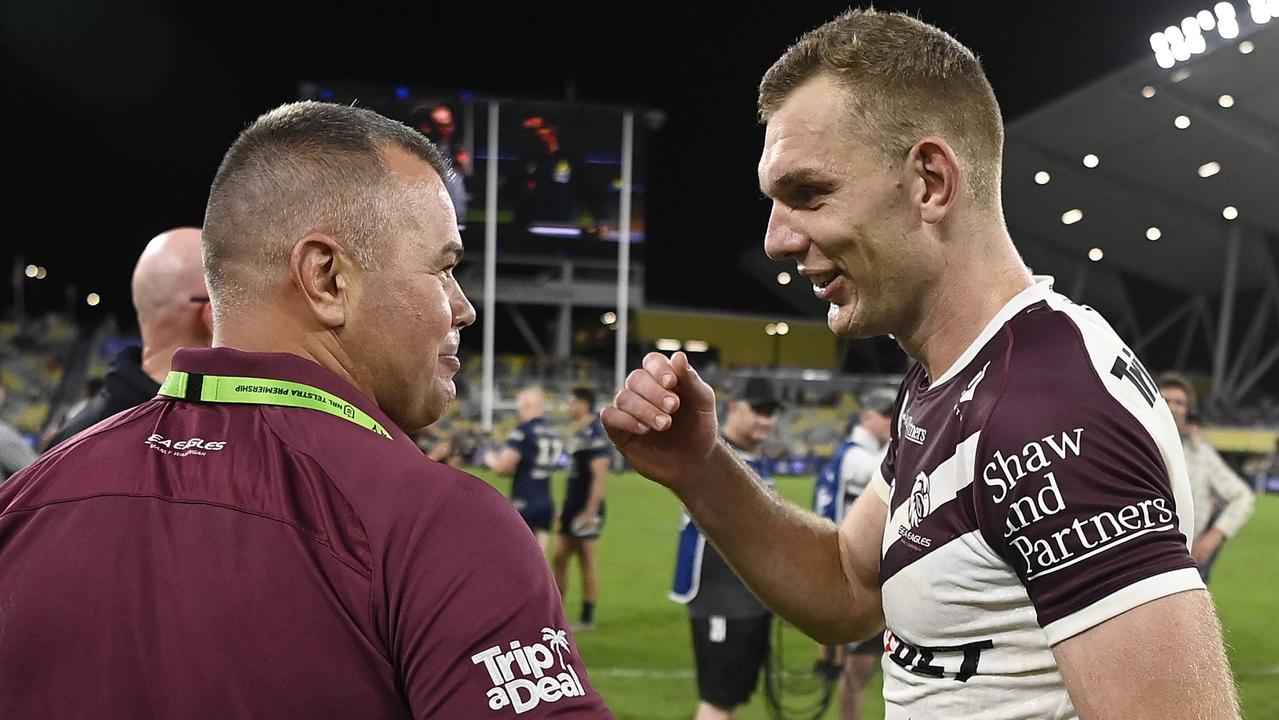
<point x="908" y="80"/>
<point x="1180" y="382"/>
<point x="586" y="395"/>
<point x="300" y="168"/>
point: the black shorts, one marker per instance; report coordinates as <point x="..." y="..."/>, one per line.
<point x="538" y="519"/>
<point x="570" y="511"/>
<point x="729" y="653"/>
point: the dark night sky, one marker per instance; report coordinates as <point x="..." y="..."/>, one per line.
<point x="118" y="111"/>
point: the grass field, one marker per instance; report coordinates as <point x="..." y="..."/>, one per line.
<point x="640" y="657"/>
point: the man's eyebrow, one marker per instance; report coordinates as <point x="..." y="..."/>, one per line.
<point x="452" y="249"/>
<point x="797" y="176"/>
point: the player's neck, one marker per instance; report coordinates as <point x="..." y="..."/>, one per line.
<point x="964" y="301"/>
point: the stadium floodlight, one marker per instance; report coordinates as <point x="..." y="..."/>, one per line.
<point x="32" y="271"/>
<point x="783" y="328"/>
<point x="1230" y="212"/>
<point x="1153" y="234"/>
<point x="608" y="318"/>
<point x="42" y="272"/>
<point x="770" y="329"/>
<point x="1070" y="217"/>
<point x="783" y="278"/>
<point x="1091" y="161"/>
<point x="1226" y="101"/>
<point x="668" y="344"/>
<point x="1260" y="11"/>
<point x="1206" y="21"/>
<point x="1246" y="47"/>
<point x="1194" y="38"/>
<point x="1042" y="177"/>
<point x="93" y="299"/>
<point x="1163" y="53"/>
<point x="1181" y="121"/>
<point x="1148" y="91"/>
<point x="1096" y="254"/>
<point x="696" y="345"/>
<point x="1209" y="169"/>
<point x="1177" y="42"/>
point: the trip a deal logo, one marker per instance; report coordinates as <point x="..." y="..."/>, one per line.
<point x="525" y="676"/>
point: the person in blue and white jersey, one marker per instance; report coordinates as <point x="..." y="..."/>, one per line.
<point x="842" y="480"/>
<point x="730" y="625"/>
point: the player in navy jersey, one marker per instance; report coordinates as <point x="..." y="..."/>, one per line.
<point x="1026" y="540"/>
<point x="530" y="457"/>
<point x="582" y="515"/>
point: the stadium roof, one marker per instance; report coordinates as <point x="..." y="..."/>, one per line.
<point x="1150" y="172"/>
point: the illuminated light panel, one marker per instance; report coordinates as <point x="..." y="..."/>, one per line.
<point x="1230" y="212"/>
<point x="1226" y="101"/>
<point x="1181" y="121"/>
<point x="1148" y="91"/>
<point x="697" y="346"/>
<point x="1153" y="234"/>
<point x="1091" y="161"/>
<point x="1209" y="169"/>
<point x="1070" y="217"/>
<point x="1042" y="178"/>
<point x="783" y="278"/>
<point x="1246" y="47"/>
<point x="1096" y="254"/>
<point x="668" y="344"/>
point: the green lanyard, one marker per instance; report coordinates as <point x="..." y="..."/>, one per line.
<point x="195" y="387"/>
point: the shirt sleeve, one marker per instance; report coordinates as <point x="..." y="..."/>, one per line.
<point x="1236" y="499"/>
<point x="475" y="621"/>
<point x="598" y="444"/>
<point x="515" y="440"/>
<point x="15" y="454"/>
<point x="857" y="467"/>
<point x="1074" y="491"/>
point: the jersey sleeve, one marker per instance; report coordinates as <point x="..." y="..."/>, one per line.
<point x="515" y="439"/>
<point x="1235" y="498"/>
<point x="1077" y="481"/>
<point x="597" y="444"/>
<point x="474" y="619"/>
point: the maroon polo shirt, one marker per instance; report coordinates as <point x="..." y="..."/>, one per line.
<point x="290" y="564"/>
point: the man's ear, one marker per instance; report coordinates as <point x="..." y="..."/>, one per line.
<point x="322" y="271"/>
<point x="936" y="166"/>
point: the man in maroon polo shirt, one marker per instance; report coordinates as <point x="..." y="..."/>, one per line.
<point x="263" y="539"/>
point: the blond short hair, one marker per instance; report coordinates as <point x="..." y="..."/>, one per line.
<point x="904" y="80"/>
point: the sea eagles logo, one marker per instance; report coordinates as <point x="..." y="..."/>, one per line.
<point x="520" y="675"/>
<point x="919" y="502"/>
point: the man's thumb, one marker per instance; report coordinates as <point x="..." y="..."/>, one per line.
<point x="691" y="385"/>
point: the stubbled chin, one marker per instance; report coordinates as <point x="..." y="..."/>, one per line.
<point x="839" y="318"/>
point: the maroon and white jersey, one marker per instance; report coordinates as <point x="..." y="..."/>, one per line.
<point x="1035" y="490"/>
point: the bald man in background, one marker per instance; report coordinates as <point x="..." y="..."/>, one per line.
<point x="172" y="304"/>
